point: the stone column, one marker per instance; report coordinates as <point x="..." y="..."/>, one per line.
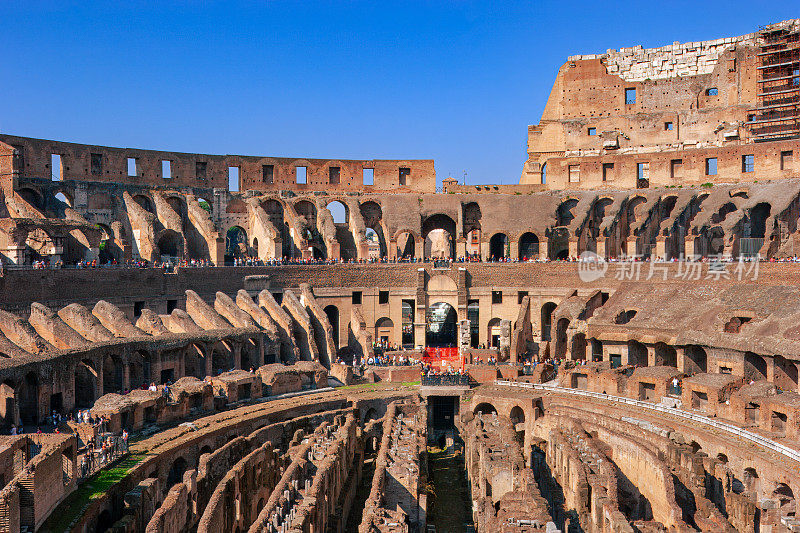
<point x="543" y="245"/>
<point x="601" y="246"/>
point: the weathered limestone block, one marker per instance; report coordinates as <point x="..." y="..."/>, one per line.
<point x="22" y="334"/>
<point x="523" y="331"/>
<point x="202" y="313"/>
<point x="142" y="224"/>
<point x="115" y="320"/>
<point x="83" y="321"/>
<point x="179" y="321"/>
<point x="344" y="373"/>
<point x="151" y="323"/>
<point x="166" y="214"/>
<point x="225" y="306"/>
<point x="314" y="372"/>
<point x="262" y="228"/>
<point x="363" y="339"/>
<point x="259" y="316"/>
<point x="323" y="332"/>
<point x="304" y="331"/>
<point x="280" y="379"/>
<point x="53" y="329"/>
<point x="289" y="349"/>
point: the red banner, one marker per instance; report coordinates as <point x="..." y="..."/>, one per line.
<point x="442" y="357"/>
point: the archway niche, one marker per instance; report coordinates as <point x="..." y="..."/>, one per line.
<point x="372" y="214"/>
<point x="493" y="333"/>
<point x="170" y="244"/>
<point x="485" y="408"/>
<point x="579" y="347"/>
<point x="86" y="379"/>
<point x="547" y="317"/>
<point x="235" y="243"/>
<point x="561" y="337"/>
<point x="112" y="374"/>
<point x="695" y="359"/>
<point x="384" y="330"/>
<point x="440" y="244"/>
<point x="332" y="312"/>
<point x="499" y="246"/>
<point x="755" y="367"/>
<point x="785" y="373"/>
<point x="528" y="247"/>
<point x="406" y="245"/>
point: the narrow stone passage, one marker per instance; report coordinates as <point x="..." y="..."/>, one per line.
<point x="451" y="511"/>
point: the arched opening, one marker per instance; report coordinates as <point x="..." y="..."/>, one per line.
<point x="195" y="362"/>
<point x="384" y="330"/>
<point x="31" y="197"/>
<point x="85" y="384"/>
<point x="785" y="373"/>
<point x="61" y="197"/>
<point x="139" y="369"/>
<point x="758" y="220"/>
<point x="471" y="215"/>
<point x="7" y="403"/>
<point x="561" y="337"/>
<point x="547" y="317"/>
<point x="206" y="205"/>
<point x="722" y="458"/>
<point x="221" y="358"/>
<point x="29" y="399"/>
<point x="528" y="247"/>
<point x="517" y="417"/>
<point x="109" y="250"/>
<point x="755" y="367"/>
<point x="623" y="317"/>
<point x="112" y="374"/>
<point x="406" y="245"/>
<point x="750" y="479"/>
<point x="145" y="203"/>
<point x="372" y="214"/>
<point x="498" y="246"/>
<point x="544" y="173"/>
<point x="373" y="244"/>
<point x="558" y="244"/>
<point x="784" y="495"/>
<point x="332" y="312"/>
<point x="695" y="359"/>
<point x="438" y="233"/>
<point x="579" y="347"/>
<point x="440" y="325"/>
<point x="485" y="408"/>
<point x="666" y="355"/>
<point x="38" y="246"/>
<point x="175" y="474"/>
<point x="235" y="244"/>
<point x="494" y="332"/>
<point x="637" y="353"/>
<point x="170" y="245"/>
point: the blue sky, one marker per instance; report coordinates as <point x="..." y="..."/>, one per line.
<point x="455" y="81"/>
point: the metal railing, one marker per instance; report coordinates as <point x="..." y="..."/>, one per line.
<point x="446" y="380"/>
<point x="730" y="428"/>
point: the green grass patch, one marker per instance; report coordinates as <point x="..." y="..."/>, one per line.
<point x="75" y="504"/>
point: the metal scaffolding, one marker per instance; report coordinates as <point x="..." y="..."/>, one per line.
<point x="778" y="113"/>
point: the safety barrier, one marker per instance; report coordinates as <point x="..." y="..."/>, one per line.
<point x="730" y="428"/>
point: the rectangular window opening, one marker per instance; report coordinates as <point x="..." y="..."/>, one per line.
<point x="404" y="174"/>
<point x="574" y="173"/>
<point x="56" y="170"/>
<point x="630" y="96"/>
<point x="334" y="175"/>
<point x="201" y="169"/>
<point x="668" y="126"/>
<point x="786" y="159"/>
<point x="166" y="169"/>
<point x="608" y="171"/>
<point x="521" y="295"/>
<point x="233" y="179"/>
<point x="369" y="176"/>
<point x="137" y="309"/>
<point x="711" y="166"/>
<point x="268" y="174"/>
<point x="356" y="297"/>
<point x="592" y="131"/>
<point x="748" y="163"/>
<point x="497" y="297"/>
<point x="642" y="175"/>
<point x="132" y="170"/>
<point x="675" y="168"/>
<point x="171" y="305"/>
<point x="97" y="164"/>
<point x="712" y="91"/>
<point x="301" y="175"/>
<point x="383" y="297"/>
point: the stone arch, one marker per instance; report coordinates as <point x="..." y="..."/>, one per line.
<point x="29" y="399"/>
<point x="384" y="329"/>
<point x="750" y="479"/>
<point x="499" y="246"/>
<point x="145" y="203"/>
<point x="517" y="415"/>
<point x="637" y="353"/>
<point x="695" y="359"/>
<point x="175" y="473"/>
<point x="178" y="204"/>
<point x="528" y="246"/>
<point x="109" y="248"/>
<point x="307" y="210"/>
<point x="579" y="347"/>
<point x="236" y="243"/>
<point x="444" y="223"/>
<point x="485" y="408"/>
<point x="339" y="212"/>
<point x="665" y="355"/>
<point x="564" y="212"/>
<point x="195" y="361"/>
<point x="372" y="213"/>
<point x="86" y="381"/>
<point x="112" y="374"/>
<point x="755" y="366"/>
<point x="332" y="312"/>
<point x="561" y="337"/>
<point x="138" y="369"/>
<point x="170" y="244"/>
<point x="221" y="357"/>
<point x="66" y="197"/>
<point x="39" y="245"/>
<point x="784" y="495"/>
<point x="547" y="317"/>
<point x="558" y="244"/>
<point x="493" y="333"/>
<point x="406" y="245"/>
<point x="758" y="220"/>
